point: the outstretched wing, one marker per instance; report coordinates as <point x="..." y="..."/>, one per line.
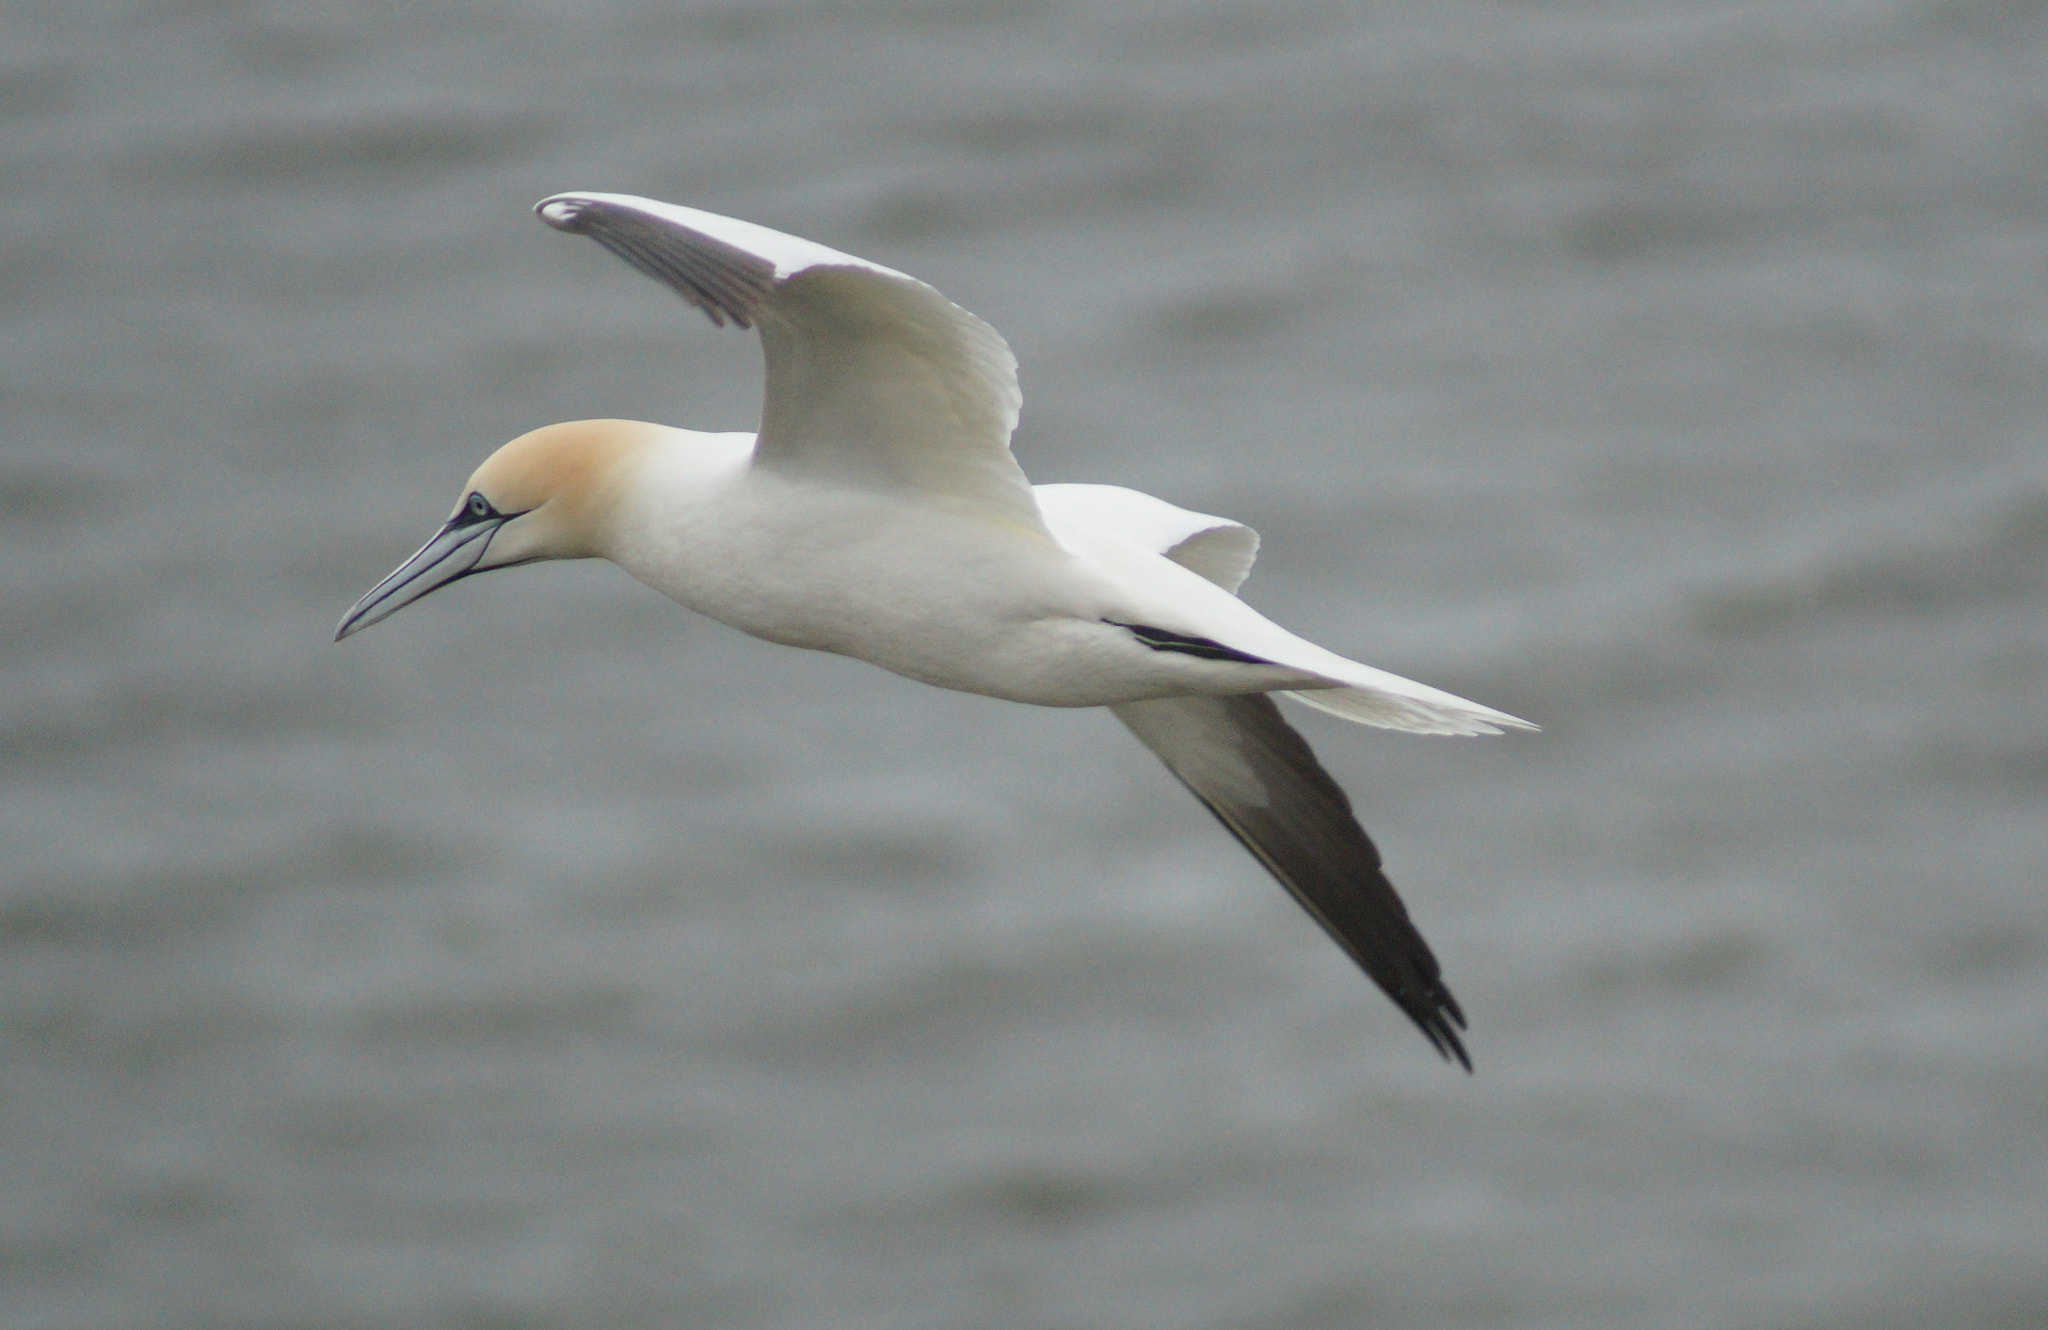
<point x="1262" y="781"/>
<point x="875" y="380"/>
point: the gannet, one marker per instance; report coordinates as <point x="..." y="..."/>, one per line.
<point x="878" y="513"/>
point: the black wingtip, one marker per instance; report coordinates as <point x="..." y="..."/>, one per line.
<point x="1451" y="1046"/>
<point x="1440" y="1019"/>
<point x="1446" y="1042"/>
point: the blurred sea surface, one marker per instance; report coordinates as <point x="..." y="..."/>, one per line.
<point x="1670" y="374"/>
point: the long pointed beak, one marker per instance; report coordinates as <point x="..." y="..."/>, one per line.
<point x="452" y="554"/>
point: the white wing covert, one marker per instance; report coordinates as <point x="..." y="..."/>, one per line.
<point x="874" y="379"/>
<point x="1214" y="548"/>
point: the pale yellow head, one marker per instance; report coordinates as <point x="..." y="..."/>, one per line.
<point x="551" y="494"/>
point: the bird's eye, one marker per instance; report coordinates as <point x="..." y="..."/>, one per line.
<point x="479" y="506"/>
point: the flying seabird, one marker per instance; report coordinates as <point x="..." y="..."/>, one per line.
<point x="879" y="514"/>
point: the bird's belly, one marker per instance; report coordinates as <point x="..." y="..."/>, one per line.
<point x="953" y="601"/>
<point x="1055" y="659"/>
<point x="997" y="638"/>
<point x="984" y="634"/>
<point x="1086" y="662"/>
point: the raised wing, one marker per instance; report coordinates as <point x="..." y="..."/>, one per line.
<point x="875" y="380"/>
<point x="1262" y="781"/>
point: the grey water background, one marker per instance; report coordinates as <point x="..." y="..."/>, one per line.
<point x="1669" y="373"/>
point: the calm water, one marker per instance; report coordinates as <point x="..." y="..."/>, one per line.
<point x="1671" y="374"/>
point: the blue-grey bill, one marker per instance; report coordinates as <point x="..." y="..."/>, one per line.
<point x="454" y="552"/>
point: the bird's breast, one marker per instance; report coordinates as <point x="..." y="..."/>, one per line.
<point x="910" y="586"/>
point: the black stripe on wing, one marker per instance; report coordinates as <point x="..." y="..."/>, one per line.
<point x="1202" y="648"/>
<point x="1261" y="780"/>
<point x="723" y="281"/>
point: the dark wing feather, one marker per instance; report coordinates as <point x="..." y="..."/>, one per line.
<point x="723" y="280"/>
<point x="1261" y="780"/>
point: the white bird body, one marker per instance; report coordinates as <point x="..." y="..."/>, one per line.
<point x="879" y="514"/>
<point x="944" y="596"/>
<point x="957" y="597"/>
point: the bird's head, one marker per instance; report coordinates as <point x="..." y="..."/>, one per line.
<point x="545" y="495"/>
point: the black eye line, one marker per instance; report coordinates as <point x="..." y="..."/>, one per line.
<point x="467" y="516"/>
<point x="470" y="516"/>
